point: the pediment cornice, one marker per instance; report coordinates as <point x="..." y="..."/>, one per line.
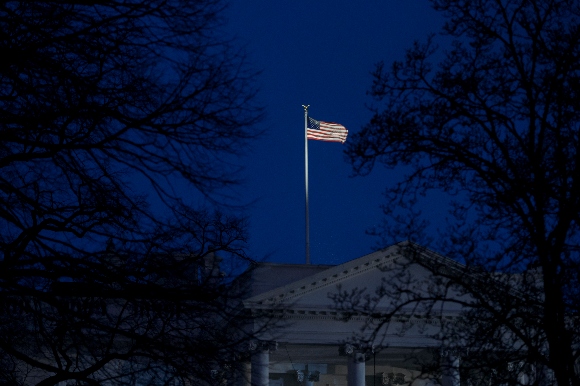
<point x="335" y="275"/>
<point x="331" y="276"/>
<point x="309" y="314"/>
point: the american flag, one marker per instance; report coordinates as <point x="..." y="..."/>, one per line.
<point x="326" y="131"/>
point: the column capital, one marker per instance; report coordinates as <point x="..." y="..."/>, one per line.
<point x="262" y="345"/>
<point x="357" y="352"/>
<point x="346" y="349"/>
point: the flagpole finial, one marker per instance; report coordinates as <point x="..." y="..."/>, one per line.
<point x="306" y="107"/>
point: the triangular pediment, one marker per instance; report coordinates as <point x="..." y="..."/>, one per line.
<point x="313" y="293"/>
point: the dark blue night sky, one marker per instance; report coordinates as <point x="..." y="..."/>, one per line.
<point x="319" y="53"/>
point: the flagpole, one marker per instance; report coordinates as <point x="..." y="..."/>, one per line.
<point x="306" y="181"/>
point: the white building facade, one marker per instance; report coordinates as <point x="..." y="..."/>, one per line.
<point x="317" y="341"/>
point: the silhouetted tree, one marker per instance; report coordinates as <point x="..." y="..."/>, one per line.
<point x="115" y="117"/>
<point x="492" y="120"/>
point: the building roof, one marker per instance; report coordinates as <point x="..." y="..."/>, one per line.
<point x="265" y="277"/>
<point x="304" y="298"/>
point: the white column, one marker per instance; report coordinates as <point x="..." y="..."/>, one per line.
<point x="260" y="363"/>
<point x="356" y="369"/>
<point x="450" y="369"/>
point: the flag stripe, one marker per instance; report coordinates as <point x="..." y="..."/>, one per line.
<point x="326" y="131"/>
